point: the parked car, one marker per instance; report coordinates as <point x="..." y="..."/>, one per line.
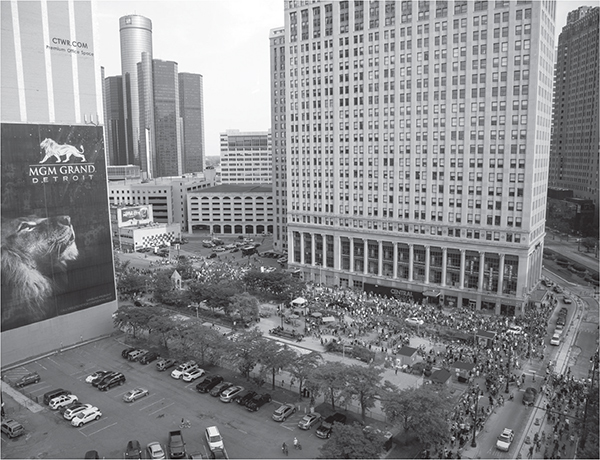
<point x="326" y="427"/>
<point x="107" y="376"/>
<point x="135" y="394"/>
<point x="414" y="321"/>
<point x="11" y="428"/>
<point x="86" y="416"/>
<point x="307" y="422"/>
<point x="258" y="401"/>
<point x="567" y="300"/>
<point x="243" y="398"/>
<point x="165" y="363"/>
<point x="125" y="353"/>
<point x="73" y="405"/>
<point x="149" y="357"/>
<point x="183" y="368"/>
<point x="133" y="450"/>
<point x="117" y="379"/>
<point x="72" y="412"/>
<point x="557" y="289"/>
<point x="28" y="379"/>
<point x="555" y="340"/>
<point x="283" y="412"/>
<point x="213" y="438"/>
<point x="529" y="396"/>
<point x="63" y="400"/>
<point x="216" y="391"/>
<point x="505" y="439"/>
<point x="230" y="393"/>
<point x="136" y="354"/>
<point x="155" y="451"/>
<point x="193" y="374"/>
<point x="96" y="375"/>
<point x="54" y="394"/>
<point x="93" y="454"/>
<point x="209" y="383"/>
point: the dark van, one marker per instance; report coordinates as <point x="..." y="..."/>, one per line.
<point x="54" y="394"/>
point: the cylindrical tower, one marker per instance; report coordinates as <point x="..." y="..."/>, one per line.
<point x="136" y="38"/>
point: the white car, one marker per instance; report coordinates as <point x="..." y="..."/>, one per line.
<point x="86" y="416"/>
<point x="213" y="438"/>
<point x="230" y="393"/>
<point x="183" y="368"/>
<point x="70" y="413"/>
<point x="155" y="451"/>
<point x="192" y="375"/>
<point x="555" y="340"/>
<point x="61" y="401"/>
<point x="414" y="321"/>
<point x="90" y="378"/>
<point x="505" y="439"/>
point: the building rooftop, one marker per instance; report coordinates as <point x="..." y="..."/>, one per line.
<point x="237" y="188"/>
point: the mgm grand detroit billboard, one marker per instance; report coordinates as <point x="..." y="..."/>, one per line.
<point x="57" y="261"/>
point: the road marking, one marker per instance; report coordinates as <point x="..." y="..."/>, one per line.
<point x="245" y="432"/>
<point x="40" y="364"/>
<point x="50" y="359"/>
<point x="158" y="410"/>
<point x="98" y="431"/>
<point x="150" y="405"/>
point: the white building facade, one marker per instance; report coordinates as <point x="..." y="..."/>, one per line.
<point x="417" y="137"/>
<point x="246" y="157"/>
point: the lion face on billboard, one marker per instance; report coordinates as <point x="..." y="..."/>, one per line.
<point x="34" y="251"/>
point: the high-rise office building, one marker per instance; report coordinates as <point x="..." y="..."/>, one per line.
<point x="114" y="120"/>
<point x="278" y="148"/>
<point x="136" y="38"/>
<point x="574" y="157"/>
<point x="191" y="108"/>
<point x="418" y="138"/>
<point x="246" y="157"/>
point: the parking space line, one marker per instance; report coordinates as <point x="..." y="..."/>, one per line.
<point x="158" y="410"/>
<point x="150" y="405"/>
<point x="50" y="359"/>
<point x="101" y="429"/>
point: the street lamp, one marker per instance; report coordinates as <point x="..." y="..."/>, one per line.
<point x="476" y="392"/>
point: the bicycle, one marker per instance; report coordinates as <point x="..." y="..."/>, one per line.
<point x="297" y="445"/>
<point x="284" y="449"/>
<point x="185" y="424"/>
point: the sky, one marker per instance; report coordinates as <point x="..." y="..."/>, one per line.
<point x="227" y="42"/>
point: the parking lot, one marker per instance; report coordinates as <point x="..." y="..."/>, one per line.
<point x="48" y="435"/>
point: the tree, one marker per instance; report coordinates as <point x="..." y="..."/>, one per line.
<point x="243" y="306"/>
<point x="245" y="351"/>
<point x="162" y="324"/>
<point x="273" y="357"/>
<point x="132" y="317"/>
<point x="351" y="441"/>
<point x="330" y="378"/>
<point x="131" y="283"/>
<point x="207" y="344"/>
<point x="303" y="366"/>
<point x="423" y="411"/>
<point x="363" y="384"/>
<point x="589" y="243"/>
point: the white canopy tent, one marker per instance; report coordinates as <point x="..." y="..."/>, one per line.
<point x="299" y="302"/>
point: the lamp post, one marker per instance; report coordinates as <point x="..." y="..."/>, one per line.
<point x="508" y="368"/>
<point x="476" y="392"/>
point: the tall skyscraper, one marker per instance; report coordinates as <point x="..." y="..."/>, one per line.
<point x="191" y="108"/>
<point x="278" y="147"/>
<point x="114" y="120"/>
<point x="418" y="138"/>
<point x="136" y="38"/>
<point x="246" y="157"/>
<point x="574" y="157"/>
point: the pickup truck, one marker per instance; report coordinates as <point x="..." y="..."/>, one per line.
<point x="176" y="444"/>
<point x="291" y="334"/>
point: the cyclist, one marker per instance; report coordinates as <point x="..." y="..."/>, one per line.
<point x="284" y="448"/>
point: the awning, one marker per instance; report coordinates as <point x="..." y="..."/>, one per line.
<point x="328" y="319"/>
<point x="431" y="293"/>
<point x="294" y="316"/>
<point x="299" y="301"/>
<point x="316" y="314"/>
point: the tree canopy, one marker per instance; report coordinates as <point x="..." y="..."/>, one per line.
<point x="351" y="441"/>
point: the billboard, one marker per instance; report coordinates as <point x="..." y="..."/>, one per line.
<point x="134" y="215"/>
<point x="56" y="242"/>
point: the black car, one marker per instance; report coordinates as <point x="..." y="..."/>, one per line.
<point x="149" y="357"/>
<point x="134" y="450"/>
<point x="96" y="382"/>
<point x="324" y="431"/>
<point x="112" y="381"/>
<point x="209" y="383"/>
<point x="125" y="353"/>
<point x="258" y="401"/>
<point x="245" y="397"/>
<point x="28" y="379"/>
